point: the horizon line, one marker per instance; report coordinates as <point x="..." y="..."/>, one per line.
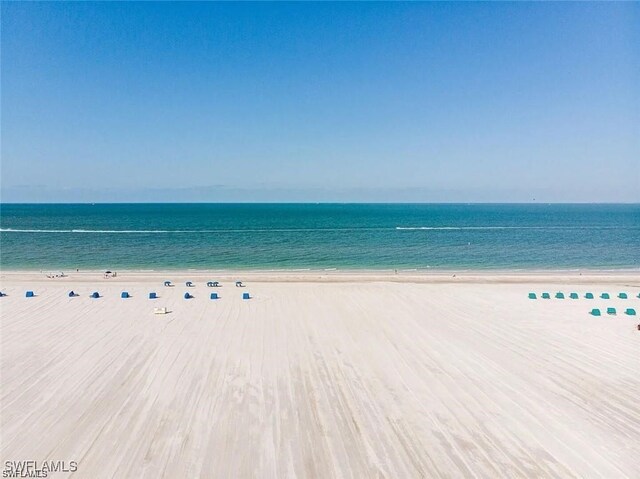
<point x="322" y="203"/>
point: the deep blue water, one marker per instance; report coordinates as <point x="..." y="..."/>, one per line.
<point x="319" y="236"/>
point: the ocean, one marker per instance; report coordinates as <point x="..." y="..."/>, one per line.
<point x="319" y="236"/>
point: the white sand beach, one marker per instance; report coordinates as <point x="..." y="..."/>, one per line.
<point x="322" y="375"/>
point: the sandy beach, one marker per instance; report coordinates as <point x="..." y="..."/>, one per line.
<point x="322" y="374"/>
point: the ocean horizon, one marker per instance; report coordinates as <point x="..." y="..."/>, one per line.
<point x="324" y="236"/>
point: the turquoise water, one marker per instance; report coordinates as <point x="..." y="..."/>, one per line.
<point x="322" y="236"/>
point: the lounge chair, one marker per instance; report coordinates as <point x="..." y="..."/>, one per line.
<point x="630" y="312"/>
<point x="605" y="296"/>
<point x="246" y="296"/>
<point x="216" y="284"/>
<point x="29" y="294"/>
<point x="611" y="311"/>
<point x="2" y="294"/>
<point x="588" y="296"/>
<point x="574" y="296"/>
<point x="622" y="295"/>
<point x="239" y="284"/>
<point x="595" y="312"/>
<point x="214" y="295"/>
<point x="209" y="284"/>
<point x="189" y="284"/>
<point x="546" y="296"/>
<point x="187" y="296"/>
<point x="160" y="311"/>
<point x="532" y="296"/>
<point x="168" y="283"/>
<point x="95" y="294"/>
<point x="559" y="295"/>
<point x="153" y="296"/>
<point x="124" y="295"/>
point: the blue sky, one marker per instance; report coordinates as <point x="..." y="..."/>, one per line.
<point x="454" y="102"/>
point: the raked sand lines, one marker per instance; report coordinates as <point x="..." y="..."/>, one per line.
<point x="333" y="379"/>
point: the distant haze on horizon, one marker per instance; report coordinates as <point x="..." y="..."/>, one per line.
<point x="320" y="102"/>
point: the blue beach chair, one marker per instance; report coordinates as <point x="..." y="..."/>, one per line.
<point x="559" y="295"/>
<point x="29" y="294"/>
<point x="611" y="311"/>
<point x="153" y="296"/>
<point x="605" y="296"/>
<point x="595" y="312"/>
<point x="573" y="295"/>
<point x="546" y="296"/>
<point x="532" y="296"/>
<point x="588" y="296"/>
<point x="187" y="296"/>
<point x="124" y="295"/>
<point x="214" y="295"/>
<point x="630" y="312"/>
<point x="95" y="294"/>
<point x="245" y="296"/>
<point x="622" y="295"/>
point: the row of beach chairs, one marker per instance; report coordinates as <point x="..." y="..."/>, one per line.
<point x="560" y="295"/>
<point x="210" y="284"/>
<point x="126" y="295"/>
<point x="612" y="312"/>
<point x="188" y="295"/>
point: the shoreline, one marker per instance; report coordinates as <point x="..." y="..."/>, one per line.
<point x="401" y="276"/>
<point x="428" y="270"/>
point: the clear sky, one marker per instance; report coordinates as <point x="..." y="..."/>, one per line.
<point x="454" y="102"/>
